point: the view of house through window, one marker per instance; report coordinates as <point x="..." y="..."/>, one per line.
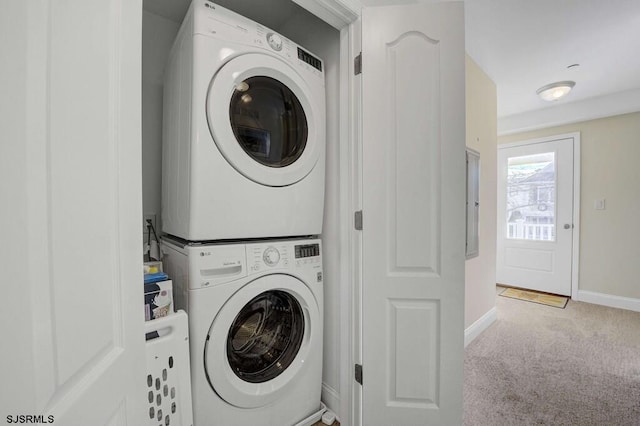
<point x="531" y="197"/>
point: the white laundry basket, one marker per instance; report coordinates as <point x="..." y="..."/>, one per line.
<point x="168" y="377"/>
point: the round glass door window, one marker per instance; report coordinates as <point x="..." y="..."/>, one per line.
<point x="268" y="121"/>
<point x="265" y="336"/>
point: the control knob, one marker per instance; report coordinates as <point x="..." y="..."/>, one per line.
<point x="271" y="256"/>
<point x="275" y="41"/>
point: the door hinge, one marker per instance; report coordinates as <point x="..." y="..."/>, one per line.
<point x="357" y="64"/>
<point x="357" y="220"/>
<point x="358" y="373"/>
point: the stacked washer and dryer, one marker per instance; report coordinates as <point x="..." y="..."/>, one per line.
<point x="242" y="207"/>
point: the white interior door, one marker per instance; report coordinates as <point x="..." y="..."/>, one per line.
<point x="413" y="80"/>
<point x="535" y="215"/>
<point x="70" y="183"/>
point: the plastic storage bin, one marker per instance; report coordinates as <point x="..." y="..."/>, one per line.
<point x="168" y="376"/>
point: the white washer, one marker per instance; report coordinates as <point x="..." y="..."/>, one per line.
<point x="244" y="131"/>
<point x="255" y="328"/>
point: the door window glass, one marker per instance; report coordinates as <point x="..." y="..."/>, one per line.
<point x="268" y="121"/>
<point x="531" y="197"/>
<point x="265" y="336"/>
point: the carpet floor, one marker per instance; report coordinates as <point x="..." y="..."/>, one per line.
<point x="539" y="365"/>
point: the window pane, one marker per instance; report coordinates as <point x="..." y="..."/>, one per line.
<point x="265" y="336"/>
<point x="268" y="121"/>
<point x="531" y="197"/>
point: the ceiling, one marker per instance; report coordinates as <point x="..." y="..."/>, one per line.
<point x="523" y="45"/>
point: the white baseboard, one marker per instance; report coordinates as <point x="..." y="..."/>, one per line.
<point x="331" y="399"/>
<point x="609" y="300"/>
<point x="475" y="329"/>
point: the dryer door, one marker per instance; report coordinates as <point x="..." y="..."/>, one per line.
<point x="258" y="343"/>
<point x="264" y="119"/>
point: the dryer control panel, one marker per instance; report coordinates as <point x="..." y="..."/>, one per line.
<point x="213" y="20"/>
<point x="310" y="59"/>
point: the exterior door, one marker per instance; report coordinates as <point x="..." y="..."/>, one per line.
<point x="70" y="166"/>
<point x="535" y="215"/>
<point x="413" y="80"/>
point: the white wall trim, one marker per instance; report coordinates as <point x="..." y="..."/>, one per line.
<point x="475" y="329"/>
<point x="539" y="140"/>
<point x="331" y="399"/>
<point x="609" y="300"/>
<point x="348" y="410"/>
<point x="351" y="392"/>
<point x="337" y="13"/>
<point x="568" y="113"/>
<point x="575" y="249"/>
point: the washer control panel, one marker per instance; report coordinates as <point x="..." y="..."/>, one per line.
<point x="261" y="257"/>
<point x="307" y="254"/>
<point x="271" y="256"/>
<point x="268" y="256"/>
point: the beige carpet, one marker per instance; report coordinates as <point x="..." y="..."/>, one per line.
<point x="535" y="297"/>
<point x="539" y="365"/>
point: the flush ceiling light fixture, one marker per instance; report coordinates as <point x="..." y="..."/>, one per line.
<point x="555" y="91"/>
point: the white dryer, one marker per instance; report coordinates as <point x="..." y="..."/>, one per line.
<point x="243" y="132"/>
<point x="255" y="328"/>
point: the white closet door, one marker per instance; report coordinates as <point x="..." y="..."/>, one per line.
<point x="70" y="183"/>
<point x="413" y="214"/>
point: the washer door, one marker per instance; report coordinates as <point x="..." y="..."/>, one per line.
<point x="258" y="343"/>
<point x="263" y="119"/>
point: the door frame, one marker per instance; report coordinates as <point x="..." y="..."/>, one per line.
<point x="351" y="238"/>
<point x="575" y="244"/>
<point x="344" y="15"/>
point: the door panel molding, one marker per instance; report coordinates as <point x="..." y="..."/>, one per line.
<point x="414" y="214"/>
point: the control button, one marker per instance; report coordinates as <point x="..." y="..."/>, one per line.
<point x="271" y="256"/>
<point x="275" y="41"/>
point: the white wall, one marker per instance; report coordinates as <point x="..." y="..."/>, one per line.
<point x="480" y="271"/>
<point x="609" y="248"/>
<point x="158" y="34"/>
